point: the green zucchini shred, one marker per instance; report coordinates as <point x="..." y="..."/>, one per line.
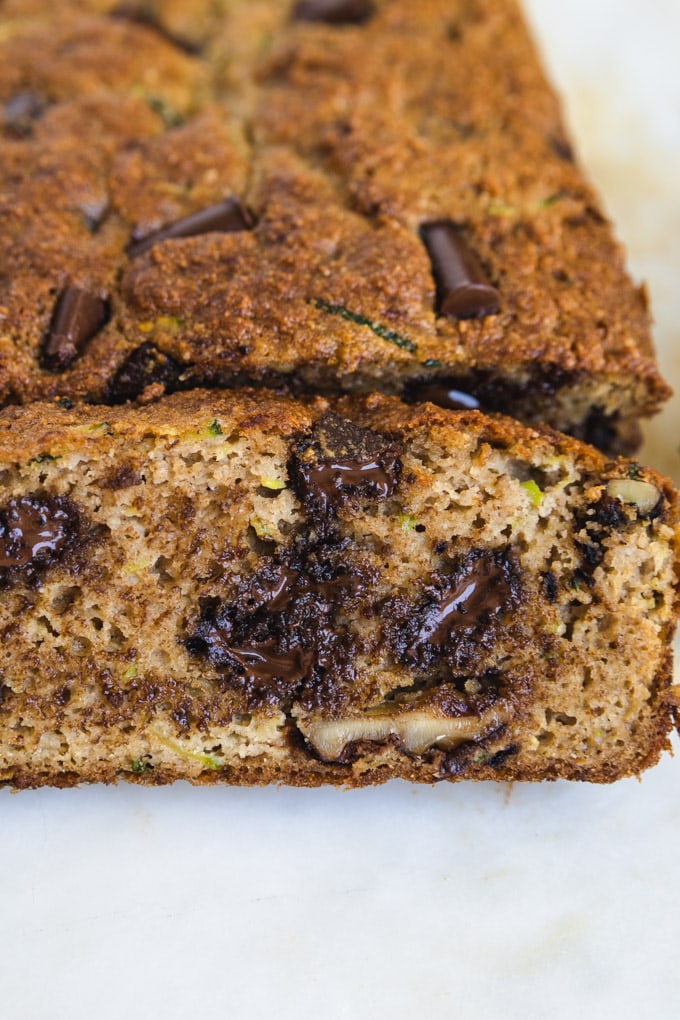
<point x="361" y="320"/>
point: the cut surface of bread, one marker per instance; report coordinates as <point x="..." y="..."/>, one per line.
<point x="244" y="588"/>
<point x="331" y="195"/>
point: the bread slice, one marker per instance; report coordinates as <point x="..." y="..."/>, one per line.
<point x="243" y="588"/>
<point x="335" y="195"/>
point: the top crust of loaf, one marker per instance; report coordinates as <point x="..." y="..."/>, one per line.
<point x="31" y="430"/>
<point x="339" y="142"/>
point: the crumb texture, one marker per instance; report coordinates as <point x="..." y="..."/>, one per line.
<point x="245" y="588"/>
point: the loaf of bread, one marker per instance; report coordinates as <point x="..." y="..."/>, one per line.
<point x="331" y="194"/>
<point x="244" y="588"/>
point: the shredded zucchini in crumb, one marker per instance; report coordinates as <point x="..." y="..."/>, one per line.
<point x="275" y="484"/>
<point x="533" y="492"/>
<point x="407" y="521"/>
<point x="210" y="761"/>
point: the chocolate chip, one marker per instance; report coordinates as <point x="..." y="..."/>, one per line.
<point x="144" y="366"/>
<point x="334" y="12"/>
<point x="273" y="588"/>
<point x="342" y="460"/>
<point x="459" y="612"/>
<point x="35" y="531"/>
<point x="122" y="477"/>
<point x="21" y="111"/>
<point x="252" y="651"/>
<point x="278" y="634"/>
<point x="77" y="317"/>
<point x="443" y="394"/>
<point x="593" y="525"/>
<point x="326" y="484"/>
<point x="463" y="288"/>
<point x="225" y="217"/>
<point x="480" y="593"/>
<point x="264" y="662"/>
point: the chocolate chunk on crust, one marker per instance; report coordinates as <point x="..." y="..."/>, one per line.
<point x="78" y="316"/>
<point x="463" y="288"/>
<point x="225" y="217"/>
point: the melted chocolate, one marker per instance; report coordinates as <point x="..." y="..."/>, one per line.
<point x="480" y="593"/>
<point x="274" y="592"/>
<point x="35" y="531"/>
<point x="456" y="618"/>
<point x="144" y="366"/>
<point x="326" y="483"/>
<point x="264" y="662"/>
<point x="334" y="12"/>
<point x="334" y="588"/>
<point x="340" y="460"/>
<point x="278" y="635"/>
<point x="225" y="217"/>
<point x="77" y="317"/>
<point x="463" y="288"/>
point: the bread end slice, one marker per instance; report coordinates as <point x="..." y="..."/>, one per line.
<point x="243" y="588"/>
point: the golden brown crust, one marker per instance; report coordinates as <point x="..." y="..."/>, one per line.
<point x="137" y="123"/>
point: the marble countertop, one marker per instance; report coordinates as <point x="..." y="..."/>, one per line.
<point x="460" y="901"/>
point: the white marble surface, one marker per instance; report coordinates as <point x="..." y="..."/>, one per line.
<point x="466" y="902"/>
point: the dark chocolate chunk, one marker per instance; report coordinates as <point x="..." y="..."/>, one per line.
<point x="225" y="217"/>
<point x="253" y="651"/>
<point x="77" y="317"/>
<point x="460" y="612"/>
<point x="594" y="524"/>
<point x="122" y="477"/>
<point x="144" y="366"/>
<point x="325" y="483"/>
<point x="21" y="111"/>
<point x="35" y="531"/>
<point x="444" y="394"/>
<point x="273" y="588"/>
<point x="263" y="662"/>
<point x="463" y="288"/>
<point x="334" y="12"/>
<point x="334" y="589"/>
<point x="341" y="460"/>
<point x="278" y="633"/>
<point x="479" y="594"/>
